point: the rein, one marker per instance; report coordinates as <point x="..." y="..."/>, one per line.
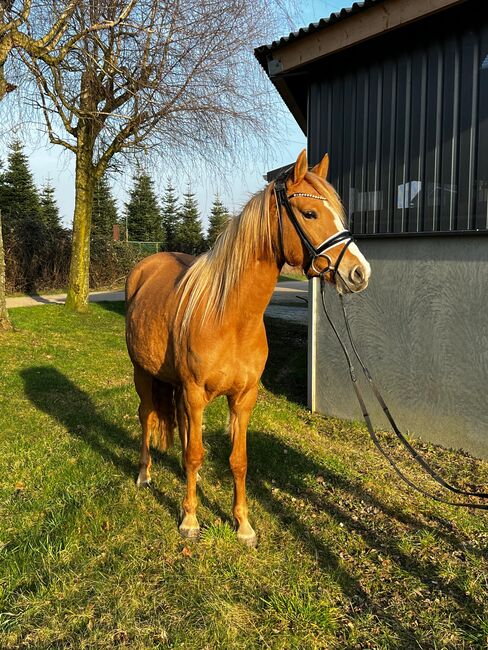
<point x="345" y="238"/>
<point x="413" y="453"/>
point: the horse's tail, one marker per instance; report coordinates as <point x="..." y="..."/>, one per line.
<point x="163" y="396"/>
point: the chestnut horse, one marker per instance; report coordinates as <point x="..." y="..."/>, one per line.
<point x="195" y="325"/>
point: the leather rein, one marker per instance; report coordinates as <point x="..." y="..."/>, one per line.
<point x="345" y="238"/>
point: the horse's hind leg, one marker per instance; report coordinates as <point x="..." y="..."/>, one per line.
<point x="182" y="425"/>
<point x="240" y="411"/>
<point x="148" y="419"/>
<point x="192" y="403"/>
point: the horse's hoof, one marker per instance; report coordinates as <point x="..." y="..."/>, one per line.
<point x="247" y="539"/>
<point x="189" y="527"/>
<point x="246" y="535"/>
<point x="189" y="532"/>
<point x="144" y="483"/>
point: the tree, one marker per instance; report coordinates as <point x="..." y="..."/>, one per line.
<point x="104" y="211"/>
<point x="19" y="198"/>
<point x="189" y="236"/>
<point x="14" y="34"/>
<point x="174" y="75"/>
<point x="5" y="323"/>
<point x="143" y="212"/>
<point x="49" y="213"/>
<point x="219" y="216"/>
<point x="41" y="39"/>
<point x="170" y="216"/>
<point x="40" y="31"/>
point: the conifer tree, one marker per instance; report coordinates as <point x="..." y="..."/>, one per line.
<point x="219" y="216"/>
<point x="189" y="234"/>
<point x="170" y="217"/>
<point x="143" y="212"/>
<point x="49" y="214"/>
<point x="104" y="214"/>
<point x="19" y="198"/>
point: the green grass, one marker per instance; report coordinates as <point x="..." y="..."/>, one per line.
<point x="347" y="558"/>
<point x="296" y="276"/>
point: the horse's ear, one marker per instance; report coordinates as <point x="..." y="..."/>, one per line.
<point x="301" y="167"/>
<point x="322" y="167"/>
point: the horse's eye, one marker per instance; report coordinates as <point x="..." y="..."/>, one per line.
<point x="310" y="214"/>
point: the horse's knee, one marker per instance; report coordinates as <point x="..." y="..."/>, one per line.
<point x="238" y="467"/>
<point x="194" y="459"/>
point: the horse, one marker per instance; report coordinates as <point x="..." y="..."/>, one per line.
<point x="195" y="329"/>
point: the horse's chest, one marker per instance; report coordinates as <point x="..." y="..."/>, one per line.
<point x="225" y="367"/>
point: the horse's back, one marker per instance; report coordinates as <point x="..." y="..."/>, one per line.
<point x="157" y="273"/>
<point x="150" y="308"/>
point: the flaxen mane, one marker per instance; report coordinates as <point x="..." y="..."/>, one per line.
<point x="215" y="276"/>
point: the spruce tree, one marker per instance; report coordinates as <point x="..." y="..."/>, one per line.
<point x="19" y="198"/>
<point x="219" y="216"/>
<point x="170" y="217"/>
<point x="49" y="214"/>
<point x="104" y="214"/>
<point x="189" y="234"/>
<point x="143" y="212"/>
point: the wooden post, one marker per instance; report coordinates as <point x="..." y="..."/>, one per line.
<point x="5" y="323"/>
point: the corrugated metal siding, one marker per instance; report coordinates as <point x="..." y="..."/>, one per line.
<point x="407" y="131"/>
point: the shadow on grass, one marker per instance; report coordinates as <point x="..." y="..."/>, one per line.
<point x="116" y="306"/>
<point x="53" y="393"/>
<point x="272" y="461"/>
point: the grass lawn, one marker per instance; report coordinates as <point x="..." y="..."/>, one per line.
<point x="347" y="558"/>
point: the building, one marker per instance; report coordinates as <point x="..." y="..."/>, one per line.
<point x="397" y="92"/>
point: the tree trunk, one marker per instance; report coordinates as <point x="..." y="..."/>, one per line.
<point x="79" y="272"/>
<point x="5" y="323"/>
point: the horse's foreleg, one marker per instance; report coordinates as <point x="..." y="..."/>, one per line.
<point x="193" y="405"/>
<point x="240" y="410"/>
<point x="147" y="416"/>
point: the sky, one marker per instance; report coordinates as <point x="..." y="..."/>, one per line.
<point x="49" y="162"/>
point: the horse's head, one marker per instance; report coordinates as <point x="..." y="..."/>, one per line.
<point x="312" y="231"/>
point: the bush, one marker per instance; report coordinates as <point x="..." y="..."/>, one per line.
<point x="37" y="259"/>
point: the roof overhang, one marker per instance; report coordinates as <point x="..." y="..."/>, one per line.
<point x="289" y="58"/>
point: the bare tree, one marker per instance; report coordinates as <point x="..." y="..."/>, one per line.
<point x="40" y="32"/>
<point x="174" y="76"/>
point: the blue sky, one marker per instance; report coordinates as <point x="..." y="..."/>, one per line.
<point x="50" y="162"/>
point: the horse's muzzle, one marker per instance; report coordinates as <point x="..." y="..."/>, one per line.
<point x="356" y="280"/>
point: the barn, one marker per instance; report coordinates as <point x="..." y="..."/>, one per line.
<point x="397" y="92"/>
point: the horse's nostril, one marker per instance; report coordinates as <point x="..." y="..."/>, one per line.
<point x="357" y="275"/>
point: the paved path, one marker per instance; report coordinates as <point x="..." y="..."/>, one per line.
<point x="288" y="300"/>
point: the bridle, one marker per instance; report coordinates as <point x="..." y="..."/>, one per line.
<point x="343" y="237"/>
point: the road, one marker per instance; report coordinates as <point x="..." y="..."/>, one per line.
<point x="287" y="301"/>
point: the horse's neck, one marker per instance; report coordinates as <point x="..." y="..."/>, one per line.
<point x="256" y="288"/>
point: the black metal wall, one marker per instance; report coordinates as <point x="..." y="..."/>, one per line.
<point x="405" y="121"/>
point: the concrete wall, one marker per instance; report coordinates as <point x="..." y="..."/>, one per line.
<point x="422" y="329"/>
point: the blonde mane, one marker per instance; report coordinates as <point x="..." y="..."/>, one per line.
<point x="215" y="276"/>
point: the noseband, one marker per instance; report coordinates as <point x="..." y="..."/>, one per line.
<point x="343" y="237"/>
